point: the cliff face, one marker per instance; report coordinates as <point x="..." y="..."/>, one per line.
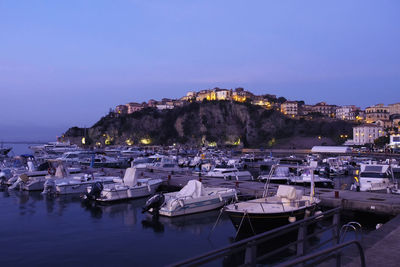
<point x="219" y="122"/>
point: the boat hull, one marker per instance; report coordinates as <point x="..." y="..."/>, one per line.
<point x="125" y="192"/>
<point x="196" y="207"/>
<point x="256" y="223"/>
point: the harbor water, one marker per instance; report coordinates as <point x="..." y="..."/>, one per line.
<point x="63" y="232"/>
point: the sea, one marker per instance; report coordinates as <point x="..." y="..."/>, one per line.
<point x="37" y="230"/>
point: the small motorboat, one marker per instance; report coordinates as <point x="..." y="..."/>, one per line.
<point x="278" y="175"/>
<point x="263" y="214"/>
<point x="305" y="180"/>
<point x="194" y="198"/>
<point x="130" y="187"/>
<point x="229" y="173"/>
<point x="62" y="182"/>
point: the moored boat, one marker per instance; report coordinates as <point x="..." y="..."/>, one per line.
<point x="130" y="187"/>
<point x="194" y="198"/>
<point x="263" y="214"/>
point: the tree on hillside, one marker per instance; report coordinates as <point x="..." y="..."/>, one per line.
<point x="382" y="141"/>
<point x="281" y="99"/>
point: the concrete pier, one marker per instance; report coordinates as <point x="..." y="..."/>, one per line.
<point x="380" y="247"/>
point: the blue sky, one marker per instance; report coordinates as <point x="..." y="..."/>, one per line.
<point x="65" y="63"/>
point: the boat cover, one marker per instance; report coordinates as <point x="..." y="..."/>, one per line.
<point x="193" y="189"/>
<point x="130" y="178"/>
<point x="286" y="191"/>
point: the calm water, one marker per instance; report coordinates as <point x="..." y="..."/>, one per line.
<point x="18" y="149"/>
<point x="35" y="231"/>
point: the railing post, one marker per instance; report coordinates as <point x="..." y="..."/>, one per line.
<point x="336" y="228"/>
<point x="336" y="236"/>
<point x="251" y="254"/>
<point x="301" y="239"/>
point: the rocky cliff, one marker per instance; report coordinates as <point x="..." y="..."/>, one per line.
<point x="211" y="122"/>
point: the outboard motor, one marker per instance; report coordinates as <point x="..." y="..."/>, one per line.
<point x="23" y="178"/>
<point x="155" y="203"/>
<point x="49" y="187"/>
<point x="95" y="192"/>
<point x="3" y="178"/>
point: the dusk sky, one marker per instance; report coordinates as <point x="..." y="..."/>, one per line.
<point x="66" y="63"/>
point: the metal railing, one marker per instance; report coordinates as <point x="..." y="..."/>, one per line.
<point x="325" y="254"/>
<point x="250" y="246"/>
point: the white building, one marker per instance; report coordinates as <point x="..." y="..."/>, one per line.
<point x="366" y="134"/>
<point x="346" y="113"/>
<point x="289" y="108"/>
<point x="164" y="106"/>
<point x="223" y="94"/>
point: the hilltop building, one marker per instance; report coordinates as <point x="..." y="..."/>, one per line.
<point x="121" y="109"/>
<point x="325" y="109"/>
<point x="377" y="112"/>
<point x="348" y="113"/>
<point x="289" y="108"/>
<point x="394" y="108"/>
<point x="133" y="107"/>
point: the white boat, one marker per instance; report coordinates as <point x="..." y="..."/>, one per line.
<point x="33" y="179"/>
<point x="194" y="198"/>
<point x="278" y="175"/>
<point x="143" y="164"/>
<point x="54" y="147"/>
<point x="79" y="184"/>
<point x="73" y="157"/>
<point x="37" y="183"/>
<point x="229" y="173"/>
<point x="103" y="161"/>
<point x="62" y="182"/>
<point x="130" y="187"/>
<point x="166" y="165"/>
<point x="375" y="177"/>
<point x="263" y="214"/>
<point x="305" y="180"/>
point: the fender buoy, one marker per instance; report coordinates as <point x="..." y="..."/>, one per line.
<point x="51" y="171"/>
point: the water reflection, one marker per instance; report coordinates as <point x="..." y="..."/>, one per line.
<point x="95" y="211"/>
<point x="153" y="223"/>
<point x="197" y="223"/>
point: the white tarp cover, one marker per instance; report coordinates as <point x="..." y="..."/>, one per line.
<point x="130" y="177"/>
<point x="193" y="189"/>
<point x="286" y="191"/>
